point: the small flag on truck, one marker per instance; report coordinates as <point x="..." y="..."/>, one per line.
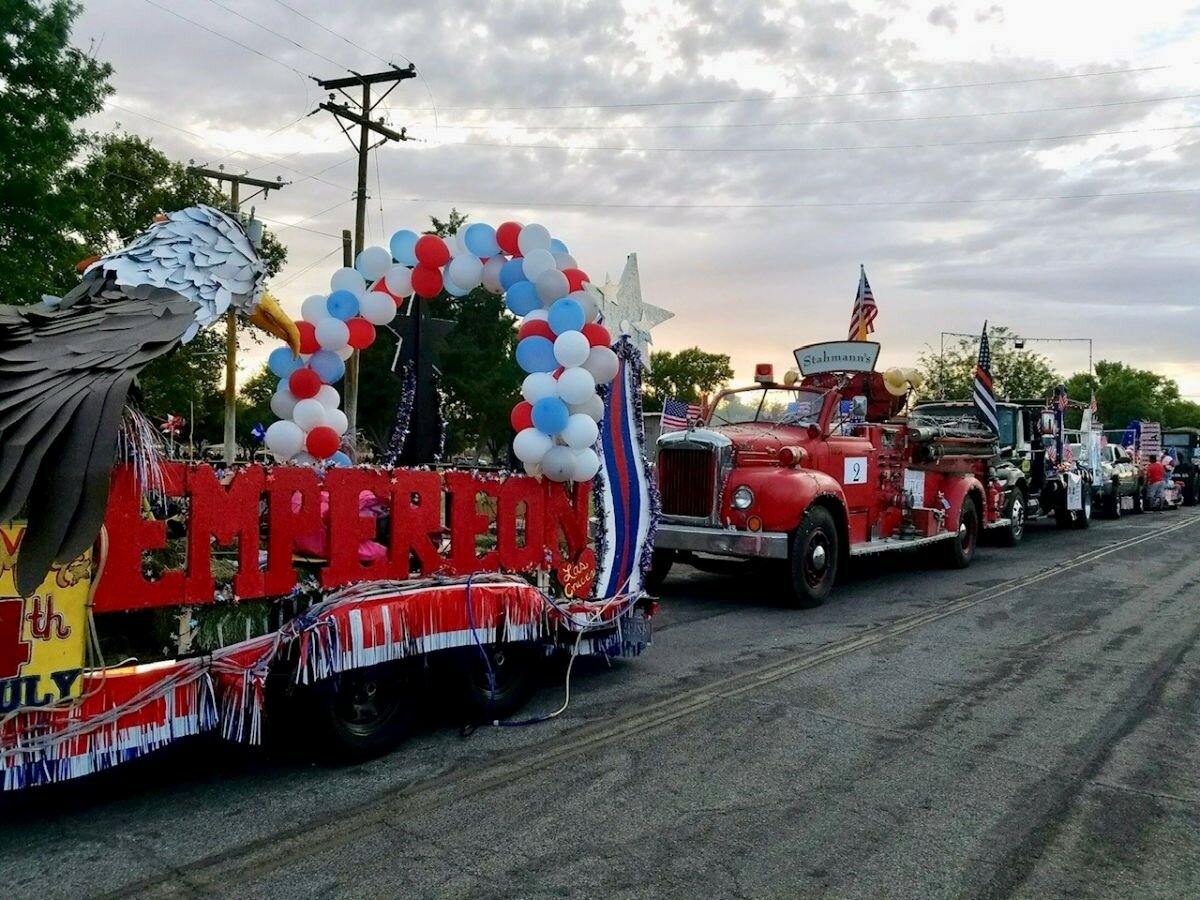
<point x="985" y="396"/>
<point x="677" y="414"/>
<point x="862" y="319"/>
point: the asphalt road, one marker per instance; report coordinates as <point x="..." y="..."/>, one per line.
<point x="1029" y="727"/>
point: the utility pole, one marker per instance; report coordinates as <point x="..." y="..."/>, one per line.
<point x="235" y="204"/>
<point x="357" y="112"/>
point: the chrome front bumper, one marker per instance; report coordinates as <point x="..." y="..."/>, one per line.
<point x="722" y="542"/>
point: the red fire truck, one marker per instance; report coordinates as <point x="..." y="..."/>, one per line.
<point x="819" y="470"/>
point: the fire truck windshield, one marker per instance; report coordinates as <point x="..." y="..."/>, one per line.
<point x="772" y="405"/>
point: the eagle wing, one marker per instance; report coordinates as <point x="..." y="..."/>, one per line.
<point x="65" y="375"/>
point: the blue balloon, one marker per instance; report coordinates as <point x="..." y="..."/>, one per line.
<point x="512" y="272"/>
<point x="342" y="305"/>
<point x="566" y="315"/>
<point x="536" y="354"/>
<point x="481" y="240"/>
<point x="550" y="415"/>
<point x="449" y="286"/>
<point x="404" y="246"/>
<point x="328" y="365"/>
<point x="282" y="362"/>
<point x="339" y="459"/>
<point x="557" y="246"/>
<point x="522" y="298"/>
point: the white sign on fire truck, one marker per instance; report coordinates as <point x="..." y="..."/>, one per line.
<point x="856" y="470"/>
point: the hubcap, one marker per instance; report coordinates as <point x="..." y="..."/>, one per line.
<point x="818" y="558"/>
<point x="1018" y="517"/>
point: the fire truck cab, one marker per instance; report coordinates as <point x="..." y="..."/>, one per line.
<point x="819" y="469"/>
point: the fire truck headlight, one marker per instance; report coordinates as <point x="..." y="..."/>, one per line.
<point x="743" y="497"/>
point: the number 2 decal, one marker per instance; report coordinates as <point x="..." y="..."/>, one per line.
<point x="855" y="471"/>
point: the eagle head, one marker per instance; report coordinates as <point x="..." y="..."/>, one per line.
<point x="206" y="256"/>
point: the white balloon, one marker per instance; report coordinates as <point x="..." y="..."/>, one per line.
<point x="533" y="237"/>
<point x="457" y="243"/>
<point x="332" y="334"/>
<point x="570" y="348"/>
<point x="593" y="407"/>
<point x="551" y="286"/>
<point x="398" y="280"/>
<point x="539" y="385"/>
<point x="591" y="306"/>
<point x="587" y="464"/>
<point x="575" y="385"/>
<point x="581" y="431"/>
<point x="314" y="310"/>
<point x="284" y="439"/>
<point x="309" y="413"/>
<point x="491" y="273"/>
<point x="558" y="463"/>
<point x="537" y="262"/>
<point x="530" y="445"/>
<point x="376" y="307"/>
<point x="373" y="263"/>
<point x="535" y="315"/>
<point x="345" y="353"/>
<point x="328" y="396"/>
<point x="565" y="261"/>
<point x="347" y="279"/>
<point x="336" y="419"/>
<point x="602" y="363"/>
<point x="303" y="458"/>
<point x="466" y="271"/>
<point x="282" y="404"/>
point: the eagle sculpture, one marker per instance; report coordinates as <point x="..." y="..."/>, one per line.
<point x="67" y="366"/>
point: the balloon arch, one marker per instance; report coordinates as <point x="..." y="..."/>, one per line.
<point x="561" y="346"/>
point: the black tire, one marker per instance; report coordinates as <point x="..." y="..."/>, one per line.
<point x="660" y="567"/>
<point x="1011" y="534"/>
<point x="813" y="559"/>
<point x="1063" y="517"/>
<point x="363" y="713"/>
<point x="1083" y="518"/>
<point x="1112" y="503"/>
<point x="499" y="687"/>
<point x="961" y="550"/>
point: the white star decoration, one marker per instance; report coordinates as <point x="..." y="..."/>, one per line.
<point x="626" y="313"/>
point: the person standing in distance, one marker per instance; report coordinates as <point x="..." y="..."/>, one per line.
<point x="1156" y="482"/>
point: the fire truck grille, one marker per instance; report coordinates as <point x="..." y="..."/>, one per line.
<point x="686" y="481"/>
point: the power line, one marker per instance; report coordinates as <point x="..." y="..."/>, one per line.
<point x="307" y="268"/>
<point x="519" y="204"/>
<point x="812" y="122"/>
<point x="339" y="36"/>
<point x="821" y="149"/>
<point x="226" y="37"/>
<point x="277" y="34"/>
<point x="829" y="96"/>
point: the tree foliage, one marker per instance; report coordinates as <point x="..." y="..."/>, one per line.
<point x="1016" y="372"/>
<point x="46" y="86"/>
<point x="1124" y="393"/>
<point x="687" y="375"/>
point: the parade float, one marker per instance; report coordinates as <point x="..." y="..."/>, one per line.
<point x="145" y="599"/>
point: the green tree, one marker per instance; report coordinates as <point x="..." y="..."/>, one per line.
<point x="1016" y="372"/>
<point x="480" y="376"/>
<point x="46" y="86"/>
<point x="1124" y="393"/>
<point x="687" y="375"/>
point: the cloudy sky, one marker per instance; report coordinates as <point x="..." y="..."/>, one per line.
<point x="1032" y="163"/>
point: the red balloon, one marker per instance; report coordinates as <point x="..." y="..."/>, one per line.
<point x="536" y="328"/>
<point x="308" y="337"/>
<point x="576" y="278"/>
<point x="426" y="282"/>
<point x="522" y="416"/>
<point x="431" y="251"/>
<point x="362" y="333"/>
<point x="304" y="383"/>
<point x="506" y="237"/>
<point x="322" y="442"/>
<point x="597" y="334"/>
<point x="559" y="371"/>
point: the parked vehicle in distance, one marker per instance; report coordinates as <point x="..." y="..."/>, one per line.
<point x="1119" y="487"/>
<point x="1184" y="446"/>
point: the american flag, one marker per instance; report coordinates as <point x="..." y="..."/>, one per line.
<point x="985" y="396"/>
<point x="1092" y="406"/>
<point x="172" y="425"/>
<point x="1068" y="456"/>
<point x="1060" y="397"/>
<point x="677" y="414"/>
<point x="862" y="319"/>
